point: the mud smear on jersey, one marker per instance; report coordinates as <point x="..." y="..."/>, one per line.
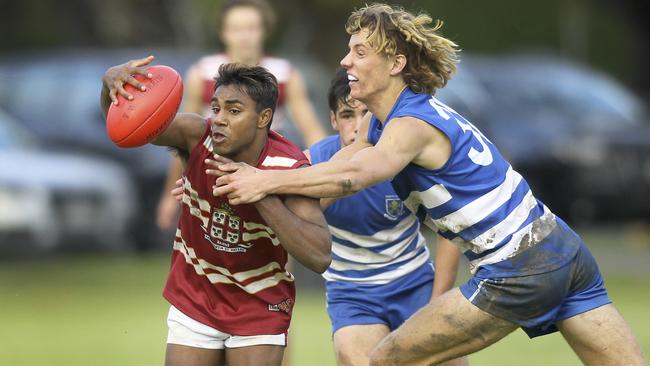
<point x="531" y="258"/>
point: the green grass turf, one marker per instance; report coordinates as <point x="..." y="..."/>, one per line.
<point x="109" y="311"/>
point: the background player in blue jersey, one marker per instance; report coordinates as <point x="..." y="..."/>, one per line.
<point x="530" y="269"/>
<point x="381" y="271"/>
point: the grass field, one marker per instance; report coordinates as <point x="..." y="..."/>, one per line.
<point x="107" y="310"/>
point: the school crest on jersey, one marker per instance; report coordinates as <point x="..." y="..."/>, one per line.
<point x="225" y="230"/>
<point x="394" y="207"/>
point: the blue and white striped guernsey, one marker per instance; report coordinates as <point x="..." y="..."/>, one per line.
<point x="476" y="199"/>
<point x="374" y="239"/>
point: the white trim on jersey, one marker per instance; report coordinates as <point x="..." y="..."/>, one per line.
<point x="208" y="143"/>
<point x="224" y="276"/>
<point x="192" y="197"/>
<point x="362" y="254"/>
<point x="512" y="246"/>
<point x="266" y="232"/>
<point x="384" y="277"/>
<point x="281" y="161"/>
<point x="348" y="266"/>
<point x="436" y="195"/>
<point x="246" y="236"/>
<point x="475" y="211"/>
<point x="380" y="237"/>
<point x="500" y="231"/>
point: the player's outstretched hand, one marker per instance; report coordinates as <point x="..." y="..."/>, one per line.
<point x="240" y="182"/>
<point x="117" y="76"/>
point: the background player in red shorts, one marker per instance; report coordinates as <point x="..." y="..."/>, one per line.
<point x="230" y="292"/>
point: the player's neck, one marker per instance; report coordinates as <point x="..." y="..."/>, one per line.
<point x="251" y="154"/>
<point x="382" y="103"/>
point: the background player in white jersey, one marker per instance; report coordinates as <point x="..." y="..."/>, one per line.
<point x="381" y="272"/>
<point x="242" y="27"/>
<point x="530" y="269"/>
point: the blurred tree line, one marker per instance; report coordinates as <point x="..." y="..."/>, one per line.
<point x="611" y="35"/>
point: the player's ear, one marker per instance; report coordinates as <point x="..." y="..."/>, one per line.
<point x="399" y="63"/>
<point x="265" y="118"/>
<point x="335" y="125"/>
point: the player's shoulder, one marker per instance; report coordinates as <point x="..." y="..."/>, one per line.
<point x="280" y="67"/>
<point x="422" y="107"/>
<point x="324" y="149"/>
<point x="282" y="154"/>
<point x="328" y="142"/>
<point x="410" y="100"/>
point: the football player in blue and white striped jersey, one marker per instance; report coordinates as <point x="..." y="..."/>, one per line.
<point x="530" y="270"/>
<point x="381" y="271"/>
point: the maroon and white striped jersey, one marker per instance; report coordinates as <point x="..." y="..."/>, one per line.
<point x="228" y="268"/>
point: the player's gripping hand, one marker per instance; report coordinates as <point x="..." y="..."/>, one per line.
<point x="177" y="192"/>
<point x="240" y="182"/>
<point x="116" y="77"/>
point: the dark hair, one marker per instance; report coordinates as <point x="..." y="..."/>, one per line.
<point x="265" y="10"/>
<point x="259" y="84"/>
<point x="339" y="89"/>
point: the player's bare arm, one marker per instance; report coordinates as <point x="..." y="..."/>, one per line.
<point x="193" y="86"/>
<point x="302" y="110"/>
<point x="183" y="132"/>
<point x="404" y="140"/>
<point x="447" y="258"/>
<point x="301" y="228"/>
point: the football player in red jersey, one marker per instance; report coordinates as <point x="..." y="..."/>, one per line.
<point x="230" y="292"/>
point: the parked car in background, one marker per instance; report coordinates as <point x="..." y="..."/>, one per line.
<point x="50" y="199"/>
<point x="580" y="138"/>
<point x="56" y="95"/>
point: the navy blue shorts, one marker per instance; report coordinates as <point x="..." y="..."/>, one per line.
<point x="390" y="304"/>
<point x="536" y="302"/>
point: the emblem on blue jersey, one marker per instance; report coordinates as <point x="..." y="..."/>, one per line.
<point x="394" y="207"/>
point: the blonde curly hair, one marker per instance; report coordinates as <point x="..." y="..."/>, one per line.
<point x="430" y="58"/>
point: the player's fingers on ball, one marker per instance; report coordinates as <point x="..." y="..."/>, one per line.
<point x="124" y="93"/>
<point x="133" y="81"/>
<point x="143" y="71"/>
<point x="112" y="93"/>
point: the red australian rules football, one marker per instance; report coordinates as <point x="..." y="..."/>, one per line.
<point x="136" y="122"/>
